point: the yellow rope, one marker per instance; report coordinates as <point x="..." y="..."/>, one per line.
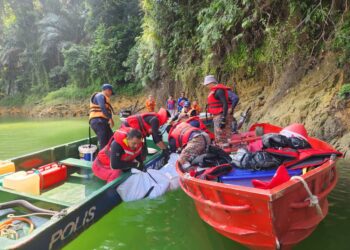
<point x="6" y="231"/>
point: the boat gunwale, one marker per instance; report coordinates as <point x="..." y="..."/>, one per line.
<point x="264" y="194"/>
<point x="70" y="209"/>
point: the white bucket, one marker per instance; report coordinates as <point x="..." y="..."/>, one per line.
<point x="87" y="151"/>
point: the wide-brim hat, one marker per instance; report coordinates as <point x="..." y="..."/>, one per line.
<point x="209" y="79"/>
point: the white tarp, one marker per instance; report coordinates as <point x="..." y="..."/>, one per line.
<point x="140" y="183"/>
<point x="169" y="170"/>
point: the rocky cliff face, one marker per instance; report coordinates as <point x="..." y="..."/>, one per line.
<point x="304" y="95"/>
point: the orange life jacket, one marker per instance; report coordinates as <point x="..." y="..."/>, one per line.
<point x="95" y="109"/>
<point x="189" y="112"/>
<point x="150" y="105"/>
<point x="197" y="108"/>
<point x="138" y="121"/>
<point x="201" y="126"/>
<point x="215" y="107"/>
<point x="181" y="133"/>
<point x="120" y="138"/>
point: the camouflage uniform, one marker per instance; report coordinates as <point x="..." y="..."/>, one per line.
<point x="195" y="147"/>
<point x="222" y="136"/>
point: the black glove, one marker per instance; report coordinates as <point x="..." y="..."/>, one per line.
<point x="140" y="166"/>
<point x="166" y="155"/>
<point x="175" y="117"/>
<point x="222" y="123"/>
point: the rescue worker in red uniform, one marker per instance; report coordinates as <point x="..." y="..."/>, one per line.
<point x="193" y="119"/>
<point x="123" y="152"/>
<point x="149" y="124"/>
<point x="191" y="141"/>
<point x="218" y="105"/>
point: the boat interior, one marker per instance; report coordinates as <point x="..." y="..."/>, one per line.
<point x="76" y="185"/>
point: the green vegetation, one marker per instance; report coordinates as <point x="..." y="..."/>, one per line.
<point x="235" y="38"/>
<point x="56" y="51"/>
<point x="75" y="46"/>
<point x="345" y="91"/>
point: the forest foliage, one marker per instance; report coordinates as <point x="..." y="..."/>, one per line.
<point x="68" y="48"/>
<point x="64" y="48"/>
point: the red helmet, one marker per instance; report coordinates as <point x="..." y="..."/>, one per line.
<point x="295" y="129"/>
<point x="163" y="115"/>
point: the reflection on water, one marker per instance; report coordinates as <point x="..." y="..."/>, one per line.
<point x="171" y="222"/>
<point x="22" y="136"/>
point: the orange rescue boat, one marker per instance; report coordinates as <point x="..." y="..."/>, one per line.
<point x="276" y="218"/>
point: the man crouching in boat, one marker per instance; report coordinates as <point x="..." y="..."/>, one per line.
<point x="194" y="121"/>
<point x="191" y="141"/>
<point x="124" y="151"/>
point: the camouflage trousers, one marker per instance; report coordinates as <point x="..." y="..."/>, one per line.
<point x="222" y="136"/>
<point x="195" y="147"/>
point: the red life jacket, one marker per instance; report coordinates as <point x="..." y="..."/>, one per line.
<point x="201" y="126"/>
<point x="120" y="138"/>
<point x="138" y="121"/>
<point x="181" y="133"/>
<point x="215" y="107"/>
<point x="302" y="158"/>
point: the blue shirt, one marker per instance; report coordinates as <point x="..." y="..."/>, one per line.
<point x="180" y="103"/>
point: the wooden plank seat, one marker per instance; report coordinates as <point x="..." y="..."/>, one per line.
<point x="73" y="162"/>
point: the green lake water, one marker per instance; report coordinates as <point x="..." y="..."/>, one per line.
<point x="171" y="221"/>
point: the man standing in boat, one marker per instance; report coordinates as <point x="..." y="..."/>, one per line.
<point x="218" y="105"/>
<point x="123" y="152"/>
<point x="101" y="112"/>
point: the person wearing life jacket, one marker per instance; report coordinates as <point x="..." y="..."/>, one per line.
<point x="195" y="121"/>
<point x="100" y="115"/>
<point x="187" y="109"/>
<point x="150" y="103"/>
<point x="195" y="106"/>
<point x="191" y="141"/>
<point x="181" y="101"/>
<point x="171" y="105"/>
<point x="218" y="105"/>
<point x="149" y="124"/>
<point x="123" y="152"/>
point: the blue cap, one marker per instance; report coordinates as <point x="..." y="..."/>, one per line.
<point x="108" y="86"/>
<point x="187" y="104"/>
